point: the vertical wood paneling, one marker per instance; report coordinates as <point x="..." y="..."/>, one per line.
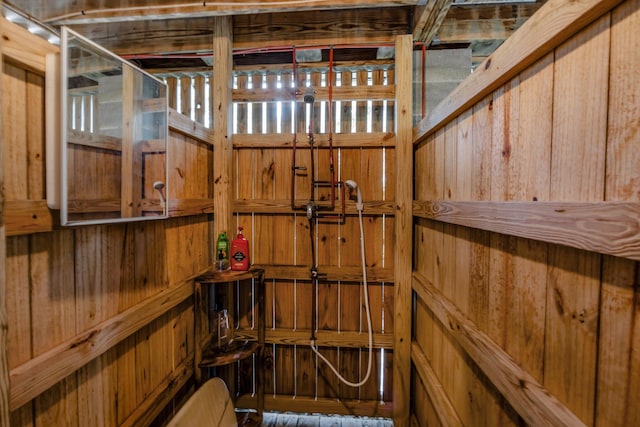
<point x="14" y="82"/>
<point x="172" y="92"/>
<point x="67" y="281"/>
<point x="198" y="101"/>
<point x="53" y="293"/>
<point x="567" y="316"/>
<point x="577" y="173"/>
<point x="618" y="357"/>
<point x="446" y="269"/>
<point x="35" y="136"/>
<point x="500" y="259"/>
<point x="4" y="363"/>
<point x="185" y="95"/>
<point x="15" y="187"/>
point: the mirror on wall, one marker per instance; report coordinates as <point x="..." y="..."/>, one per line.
<point x="114" y="137"/>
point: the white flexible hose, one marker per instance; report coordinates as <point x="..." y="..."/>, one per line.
<point x="368" y="310"/>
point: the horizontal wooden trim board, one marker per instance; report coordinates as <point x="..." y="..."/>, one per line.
<point x="551" y="25"/>
<point x="155" y="402"/>
<point x="529" y="398"/>
<point x="323" y="338"/>
<point x="93" y="140"/>
<point x="38" y="374"/>
<point x="27" y="216"/>
<point x="333" y="273"/>
<point x="339" y="93"/>
<point x="445" y="410"/>
<point x="611" y="228"/>
<point x="184" y="125"/>
<point x="180" y="207"/>
<point x="381" y="207"/>
<point x="304" y="404"/>
<point x="338" y="66"/>
<point x="321" y="140"/>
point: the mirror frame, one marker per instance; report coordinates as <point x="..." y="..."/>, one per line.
<point x="160" y="193"/>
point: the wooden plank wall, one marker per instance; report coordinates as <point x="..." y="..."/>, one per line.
<point x="280" y="238"/>
<point x="100" y="318"/>
<point x="4" y="368"/>
<point x="526" y="305"/>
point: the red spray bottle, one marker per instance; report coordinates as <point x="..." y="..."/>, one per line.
<point x="239" y="252"/>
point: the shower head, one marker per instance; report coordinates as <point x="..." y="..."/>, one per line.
<point x="159" y="186"/>
<point x="309" y="95"/>
<point x="353" y="186"/>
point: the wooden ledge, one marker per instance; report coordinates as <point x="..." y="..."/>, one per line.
<point x="236" y="350"/>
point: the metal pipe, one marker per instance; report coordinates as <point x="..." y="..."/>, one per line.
<point x="331" y="168"/>
<point x="293" y="144"/>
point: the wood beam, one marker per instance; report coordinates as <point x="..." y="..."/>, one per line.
<point x="428" y="19"/>
<point x="357" y="26"/>
<point x="548" y="28"/>
<point x="283" y="206"/>
<point x="403" y="233"/>
<point x="28" y="216"/>
<point x="156" y="401"/>
<point x="605" y="227"/>
<point x="535" y="404"/>
<point x="40" y="373"/>
<point x="4" y="364"/>
<point x="445" y="410"/>
<point x="484" y="22"/>
<point x="343" y="273"/>
<point x="323" y="338"/>
<point x="336" y="27"/>
<point x="66" y="13"/>
<point x="222" y="128"/>
<point x="339" y="140"/>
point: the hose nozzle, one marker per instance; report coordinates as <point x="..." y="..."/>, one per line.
<point x="353" y="186"/>
<point x="159" y="186"/>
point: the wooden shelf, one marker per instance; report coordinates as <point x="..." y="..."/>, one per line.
<point x="207" y="285"/>
<point x="215" y="276"/>
<point x="237" y="350"/>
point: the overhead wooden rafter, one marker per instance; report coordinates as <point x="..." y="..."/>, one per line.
<point x="428" y="19"/>
<point x="72" y="13"/>
<point x="134" y="28"/>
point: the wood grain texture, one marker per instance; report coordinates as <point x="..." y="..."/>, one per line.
<point x="403" y="234"/>
<point x="222" y="151"/>
<point x="4" y="364"/>
<point x="27" y="216"/>
<point x="36" y="375"/>
<point x="161" y="395"/>
<point x="18" y="44"/>
<point x="577" y="173"/>
<point x="184" y="125"/>
<point x="532" y="401"/>
<point x="604" y="227"/>
<point x="443" y="406"/>
<point x="619" y="306"/>
<point x="548" y="28"/>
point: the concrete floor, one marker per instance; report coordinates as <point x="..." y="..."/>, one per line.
<point x="295" y="420"/>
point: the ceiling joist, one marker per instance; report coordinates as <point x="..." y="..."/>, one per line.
<point x="85" y="12"/>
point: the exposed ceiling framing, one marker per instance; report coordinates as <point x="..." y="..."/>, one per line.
<point x="166" y="33"/>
